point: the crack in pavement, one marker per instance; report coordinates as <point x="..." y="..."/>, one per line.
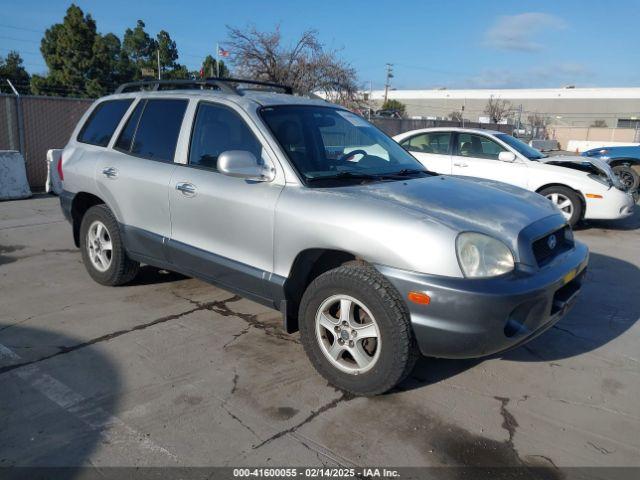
<point x="110" y="336"/>
<point x="345" y="397"/>
<point x="221" y="308"/>
<point x="509" y="422"/>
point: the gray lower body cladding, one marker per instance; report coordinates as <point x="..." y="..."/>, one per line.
<point x="474" y="318"/>
<point x="464" y="319"/>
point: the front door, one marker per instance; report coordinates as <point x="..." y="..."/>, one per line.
<point x="476" y="155"/>
<point x="221" y="226"/>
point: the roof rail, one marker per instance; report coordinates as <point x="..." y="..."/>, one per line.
<point x="223" y="84"/>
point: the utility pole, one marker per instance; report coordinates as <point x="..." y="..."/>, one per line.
<point x="387" y="83"/>
<point x="159" y="76"/>
<point x="519" y="117"/>
<point x="20" y="118"/>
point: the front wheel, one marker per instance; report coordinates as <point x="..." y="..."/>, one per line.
<point x="628" y="176"/>
<point x="356" y="330"/>
<point x="567" y="200"/>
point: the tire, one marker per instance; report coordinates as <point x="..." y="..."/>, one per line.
<point x="628" y="176"/>
<point x="111" y="269"/>
<point x="391" y="356"/>
<point x="559" y="195"/>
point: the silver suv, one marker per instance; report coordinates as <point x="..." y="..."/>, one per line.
<point x="307" y="208"/>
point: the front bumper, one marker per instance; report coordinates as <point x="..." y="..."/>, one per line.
<point x="614" y="205"/>
<point x="469" y="318"/>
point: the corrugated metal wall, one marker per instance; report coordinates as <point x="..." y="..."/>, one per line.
<point x="47" y="123"/>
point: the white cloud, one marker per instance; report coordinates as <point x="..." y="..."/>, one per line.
<point x="520" y="32"/>
<point x="543" y="76"/>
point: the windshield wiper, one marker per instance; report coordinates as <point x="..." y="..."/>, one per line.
<point x="405" y="172"/>
<point x="346" y="176"/>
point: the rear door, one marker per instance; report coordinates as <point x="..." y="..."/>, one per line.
<point x="476" y="155"/>
<point x="432" y="149"/>
<point x="222" y="226"/>
<point x="134" y="175"/>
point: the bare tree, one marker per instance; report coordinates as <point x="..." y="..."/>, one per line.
<point x="305" y="66"/>
<point x="497" y="109"/>
<point x="456" y="116"/>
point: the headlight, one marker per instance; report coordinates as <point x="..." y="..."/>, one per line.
<point x="480" y="255"/>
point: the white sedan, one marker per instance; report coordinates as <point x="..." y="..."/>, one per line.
<point x="580" y="188"/>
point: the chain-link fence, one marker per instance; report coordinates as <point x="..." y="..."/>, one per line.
<point x="33" y="125"/>
<point x="394" y="126"/>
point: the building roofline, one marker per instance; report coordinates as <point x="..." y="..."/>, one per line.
<point x="512" y="93"/>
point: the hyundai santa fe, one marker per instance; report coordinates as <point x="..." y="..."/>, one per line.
<point x="307" y="208"/>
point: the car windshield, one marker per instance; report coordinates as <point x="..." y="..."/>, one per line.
<point x="522" y="148"/>
<point x="328" y="145"/>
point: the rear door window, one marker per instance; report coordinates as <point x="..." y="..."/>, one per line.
<point x="158" y="129"/>
<point x="103" y="121"/>
<point x="129" y="130"/>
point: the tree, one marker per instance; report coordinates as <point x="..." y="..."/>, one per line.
<point x="456" y="116"/>
<point x="111" y="65"/>
<point x="209" y="68"/>
<point x="395" y="105"/>
<point x="11" y="68"/>
<point x="67" y="49"/>
<point x="140" y="48"/>
<point x="305" y="66"/>
<point x="497" y="109"/>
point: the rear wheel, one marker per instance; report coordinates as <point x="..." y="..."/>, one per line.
<point x="356" y="330"/>
<point x="102" y="250"/>
<point x="627" y="175"/>
<point x="567" y="200"/>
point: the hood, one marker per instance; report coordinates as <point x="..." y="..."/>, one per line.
<point x="462" y="203"/>
<point x="585" y="164"/>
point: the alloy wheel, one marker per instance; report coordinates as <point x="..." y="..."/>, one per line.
<point x="348" y="334"/>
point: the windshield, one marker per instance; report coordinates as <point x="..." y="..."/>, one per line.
<point x="522" y="148"/>
<point x="325" y="143"/>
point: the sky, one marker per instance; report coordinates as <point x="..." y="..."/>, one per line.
<point x="432" y="44"/>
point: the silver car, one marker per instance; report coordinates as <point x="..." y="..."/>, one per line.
<point x="305" y="207"/>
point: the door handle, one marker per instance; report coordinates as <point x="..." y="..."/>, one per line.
<point x="187" y="189"/>
<point x="110" y="172"/>
<point x="460" y="164"/>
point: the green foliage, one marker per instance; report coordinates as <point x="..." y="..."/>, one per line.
<point x="85" y="63"/>
<point x="394" y="105"/>
<point x="67" y="49"/>
<point x="11" y="68"/>
<point x="209" y="68"/>
<point x="140" y="48"/>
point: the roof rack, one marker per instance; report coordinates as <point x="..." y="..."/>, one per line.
<point x="223" y="84"/>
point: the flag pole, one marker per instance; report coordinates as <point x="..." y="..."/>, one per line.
<point x="217" y="60"/>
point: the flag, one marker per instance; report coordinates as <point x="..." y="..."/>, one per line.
<point x="222" y="52"/>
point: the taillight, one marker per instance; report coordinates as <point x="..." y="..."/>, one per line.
<point x="60" y="174"/>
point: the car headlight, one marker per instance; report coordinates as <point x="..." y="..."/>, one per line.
<point x="482" y="256"/>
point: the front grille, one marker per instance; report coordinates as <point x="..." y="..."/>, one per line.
<point x="545" y="250"/>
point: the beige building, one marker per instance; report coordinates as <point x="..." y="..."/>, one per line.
<point x="569" y="107"/>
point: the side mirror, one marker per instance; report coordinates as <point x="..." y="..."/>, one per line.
<point x="507" y="157"/>
<point x="243" y="164"/>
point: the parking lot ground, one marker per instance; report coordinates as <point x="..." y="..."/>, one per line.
<point x="173" y="371"/>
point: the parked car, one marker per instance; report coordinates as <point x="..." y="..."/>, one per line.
<point x="581" y="188"/>
<point x="624" y="161"/>
<point x="273" y="196"/>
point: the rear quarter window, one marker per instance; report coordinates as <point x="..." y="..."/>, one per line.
<point x="102" y="122"/>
